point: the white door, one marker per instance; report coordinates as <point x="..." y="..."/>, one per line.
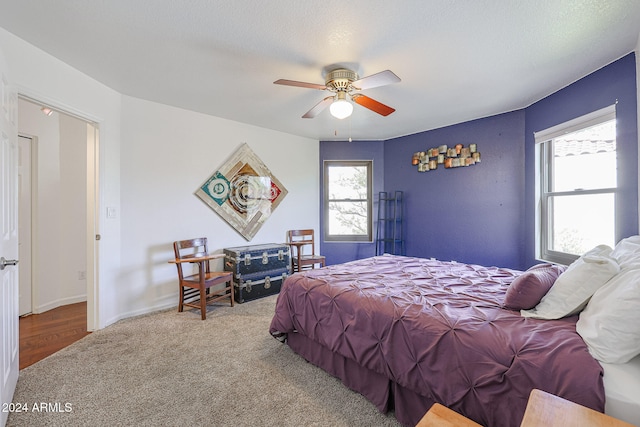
<point x="24" y="224"/>
<point x="8" y="241"/>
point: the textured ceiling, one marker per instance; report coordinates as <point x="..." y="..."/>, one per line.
<point x="458" y="59"/>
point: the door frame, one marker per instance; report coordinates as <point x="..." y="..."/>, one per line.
<point x="33" y="177"/>
<point x="93" y="198"/>
<point x="9" y="244"/>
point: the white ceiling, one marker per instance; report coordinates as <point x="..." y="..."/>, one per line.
<point x="458" y="59"/>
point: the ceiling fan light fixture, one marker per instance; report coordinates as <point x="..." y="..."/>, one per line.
<point x="341" y="108"/>
<point x="342" y="82"/>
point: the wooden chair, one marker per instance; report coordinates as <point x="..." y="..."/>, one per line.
<point x="298" y="240"/>
<point x="195" y="289"/>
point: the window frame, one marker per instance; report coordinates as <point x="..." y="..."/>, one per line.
<point x="368" y="238"/>
<point x="544" y="177"/>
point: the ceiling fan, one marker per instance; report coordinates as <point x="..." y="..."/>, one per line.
<point x="346" y="84"/>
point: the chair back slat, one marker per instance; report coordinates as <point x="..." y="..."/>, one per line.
<point x="306" y="236"/>
<point x="191" y="248"/>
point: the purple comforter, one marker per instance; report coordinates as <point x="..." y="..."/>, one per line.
<point x="439" y="329"/>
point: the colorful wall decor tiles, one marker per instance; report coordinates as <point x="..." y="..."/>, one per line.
<point x="447" y="157"/>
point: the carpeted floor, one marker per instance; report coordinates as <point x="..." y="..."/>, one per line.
<point x="170" y="368"/>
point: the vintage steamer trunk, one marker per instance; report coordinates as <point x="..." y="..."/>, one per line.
<point x="258" y="270"/>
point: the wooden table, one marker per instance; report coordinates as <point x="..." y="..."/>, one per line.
<point x="543" y="410"/>
<point x="441" y="416"/>
<point x="548" y="410"/>
<point x="197" y="259"/>
<point x="200" y="260"/>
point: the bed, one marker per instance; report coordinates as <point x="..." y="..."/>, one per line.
<point x="408" y="332"/>
<point x="622" y="390"/>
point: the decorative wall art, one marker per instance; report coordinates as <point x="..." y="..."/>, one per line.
<point x="243" y="192"/>
<point x="449" y="157"/>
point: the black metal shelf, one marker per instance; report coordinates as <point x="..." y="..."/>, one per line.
<point x="389" y="237"/>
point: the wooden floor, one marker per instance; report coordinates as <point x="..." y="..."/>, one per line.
<point x="41" y="335"/>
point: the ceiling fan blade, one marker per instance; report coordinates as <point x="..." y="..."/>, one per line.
<point x="372" y="104"/>
<point x="375" y="80"/>
<point x="317" y="109"/>
<point x="299" y="84"/>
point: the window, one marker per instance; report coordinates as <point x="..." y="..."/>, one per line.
<point x="576" y="183"/>
<point x="347" y="200"/>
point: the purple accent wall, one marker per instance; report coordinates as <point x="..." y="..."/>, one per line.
<point x="484" y="214"/>
<point x="468" y="214"/>
<point x="614" y="83"/>
<point x="339" y="252"/>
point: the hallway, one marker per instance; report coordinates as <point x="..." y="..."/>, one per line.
<point x="43" y="334"/>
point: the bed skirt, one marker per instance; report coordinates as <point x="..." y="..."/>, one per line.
<point x="386" y="395"/>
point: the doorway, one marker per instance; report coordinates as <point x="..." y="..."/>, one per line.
<point x="25" y="287"/>
<point x="57" y="215"/>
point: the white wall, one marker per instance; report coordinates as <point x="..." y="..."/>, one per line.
<point x="73" y="206"/>
<point x="167" y="153"/>
<point x="149" y="169"/>
<point x="58" y="212"/>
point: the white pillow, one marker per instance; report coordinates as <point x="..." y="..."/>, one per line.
<point x="573" y="288"/>
<point x="610" y="324"/>
<point x="627" y="252"/>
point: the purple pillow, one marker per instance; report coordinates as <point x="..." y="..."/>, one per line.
<point x="526" y="291"/>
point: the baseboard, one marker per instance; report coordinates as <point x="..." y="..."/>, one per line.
<point x="59" y="303"/>
<point x="169" y="303"/>
<point x="158" y="307"/>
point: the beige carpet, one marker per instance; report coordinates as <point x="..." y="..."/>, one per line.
<point x="170" y="368"/>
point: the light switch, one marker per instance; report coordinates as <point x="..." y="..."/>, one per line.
<point x="111" y="212"/>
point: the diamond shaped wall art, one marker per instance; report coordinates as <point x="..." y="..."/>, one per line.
<point x="243" y="192"/>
